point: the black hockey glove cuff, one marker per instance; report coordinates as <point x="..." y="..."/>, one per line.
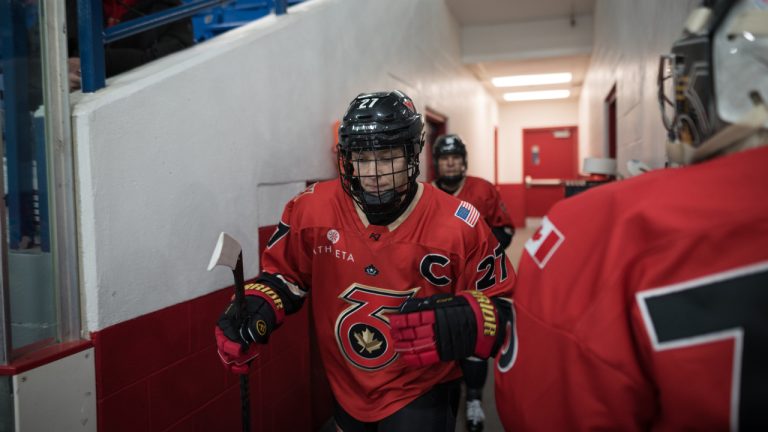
<point x="504" y="235"/>
<point x="292" y="299"/>
<point x="444" y="327"/>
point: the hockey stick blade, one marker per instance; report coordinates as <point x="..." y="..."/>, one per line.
<point x="229" y="253"/>
<point x="226" y="252"/>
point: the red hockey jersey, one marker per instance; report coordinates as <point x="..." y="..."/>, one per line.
<point x="643" y="305"/>
<point x="358" y="274"/>
<point x="481" y="194"/>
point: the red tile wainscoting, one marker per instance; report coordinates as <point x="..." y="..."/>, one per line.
<point x="160" y="372"/>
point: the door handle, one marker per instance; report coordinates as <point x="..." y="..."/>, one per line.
<point x="531" y="182"/>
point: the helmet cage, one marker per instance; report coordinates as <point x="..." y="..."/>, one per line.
<point x="384" y="156"/>
<point x="381" y="135"/>
<point x="685" y="92"/>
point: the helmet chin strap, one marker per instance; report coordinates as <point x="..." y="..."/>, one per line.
<point x="682" y="153"/>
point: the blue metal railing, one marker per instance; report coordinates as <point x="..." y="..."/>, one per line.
<point x="213" y="22"/>
<point x="139" y="25"/>
<point x="91" y="44"/>
<point x="92" y="34"/>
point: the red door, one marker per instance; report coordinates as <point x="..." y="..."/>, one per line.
<point x="436" y="125"/>
<point x="549" y="157"/>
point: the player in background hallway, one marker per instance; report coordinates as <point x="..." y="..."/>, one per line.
<point x="449" y="155"/>
<point x="361" y="247"/>
<point x="641" y="305"/>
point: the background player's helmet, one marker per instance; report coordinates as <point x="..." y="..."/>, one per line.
<point x="713" y="87"/>
<point x="380" y="121"/>
<point x="449" y="145"/>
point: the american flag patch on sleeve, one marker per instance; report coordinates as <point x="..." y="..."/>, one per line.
<point x="468" y="213"/>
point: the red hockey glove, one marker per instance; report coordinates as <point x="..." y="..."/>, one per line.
<point x="234" y="358"/>
<point x="235" y="339"/>
<point x="445" y="327"/>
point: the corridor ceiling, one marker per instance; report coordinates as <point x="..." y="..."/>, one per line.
<point x="521" y="37"/>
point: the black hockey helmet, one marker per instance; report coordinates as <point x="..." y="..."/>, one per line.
<point x="716" y="77"/>
<point x="445" y="145"/>
<point x="385" y="123"/>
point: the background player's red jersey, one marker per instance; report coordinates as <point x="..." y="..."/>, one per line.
<point x="643" y="305"/>
<point x="481" y="194"/>
<point x="358" y="274"/>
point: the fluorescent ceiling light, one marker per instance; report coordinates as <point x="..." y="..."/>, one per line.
<point x="531" y="80"/>
<point x="536" y="95"/>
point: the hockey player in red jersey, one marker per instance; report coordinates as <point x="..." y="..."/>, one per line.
<point x="643" y="305"/>
<point x="449" y="155"/>
<point x="363" y="246"/>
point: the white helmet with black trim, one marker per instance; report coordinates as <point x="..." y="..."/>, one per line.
<point x="713" y="86"/>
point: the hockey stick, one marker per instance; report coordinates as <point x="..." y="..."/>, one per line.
<point x="229" y="253"/>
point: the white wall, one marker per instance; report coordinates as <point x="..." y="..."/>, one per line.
<point x="516" y="116"/>
<point x="57" y="396"/>
<point x="174" y="152"/>
<point x="629" y="37"/>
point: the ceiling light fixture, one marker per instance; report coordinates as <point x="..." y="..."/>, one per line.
<point x="536" y="95"/>
<point x="531" y="80"/>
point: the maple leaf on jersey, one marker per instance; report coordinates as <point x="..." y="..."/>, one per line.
<point x="367" y="341"/>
